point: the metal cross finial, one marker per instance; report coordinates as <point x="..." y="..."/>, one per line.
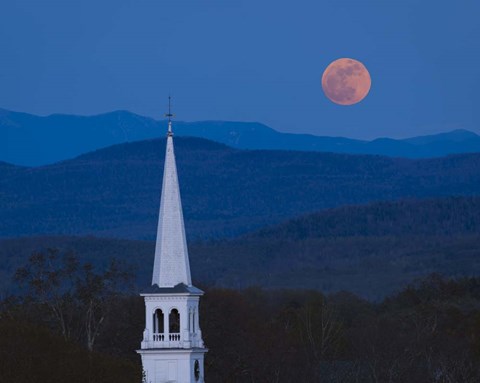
<point x="169" y="115"/>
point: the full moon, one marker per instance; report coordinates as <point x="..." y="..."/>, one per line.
<point x="346" y="81"/>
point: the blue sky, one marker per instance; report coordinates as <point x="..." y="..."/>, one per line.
<point x="246" y="60"/>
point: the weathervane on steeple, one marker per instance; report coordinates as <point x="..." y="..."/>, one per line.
<point x="169" y="115"/>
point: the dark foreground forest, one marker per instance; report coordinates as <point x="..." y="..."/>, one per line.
<point x="74" y="323"/>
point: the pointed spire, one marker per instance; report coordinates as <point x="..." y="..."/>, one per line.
<point x="171" y="265"/>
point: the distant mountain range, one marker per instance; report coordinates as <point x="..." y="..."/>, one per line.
<point x="31" y="140"/>
<point x="115" y="191"/>
<point x="371" y="250"/>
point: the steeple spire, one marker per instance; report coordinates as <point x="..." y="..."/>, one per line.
<point x="171" y="265"/>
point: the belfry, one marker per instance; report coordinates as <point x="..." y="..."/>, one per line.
<point x="172" y="349"/>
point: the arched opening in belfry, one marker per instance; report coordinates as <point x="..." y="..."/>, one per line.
<point x="158" y="326"/>
<point x="174" y="321"/>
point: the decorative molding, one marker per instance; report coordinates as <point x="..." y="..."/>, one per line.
<point x="166" y="298"/>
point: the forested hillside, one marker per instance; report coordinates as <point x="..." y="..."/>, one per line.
<point x="431" y="217"/>
<point x="115" y="192"/>
<point x="371" y="250"/>
<point x="9" y="170"/>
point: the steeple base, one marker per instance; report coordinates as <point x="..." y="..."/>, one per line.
<point x="173" y="365"/>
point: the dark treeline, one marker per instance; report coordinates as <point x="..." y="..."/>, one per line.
<point x="369" y="266"/>
<point x="428" y="332"/>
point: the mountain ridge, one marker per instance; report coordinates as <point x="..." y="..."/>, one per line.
<point x="225" y="192"/>
<point x="31" y="140"/>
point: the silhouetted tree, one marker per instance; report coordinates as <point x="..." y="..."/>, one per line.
<point x="78" y="297"/>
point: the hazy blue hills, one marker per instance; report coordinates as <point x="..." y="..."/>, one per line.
<point x="115" y="192"/>
<point x="338" y="249"/>
<point x="31" y="140"/>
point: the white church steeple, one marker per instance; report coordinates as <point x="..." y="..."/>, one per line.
<point x="171" y="265"/>
<point x="172" y="349"/>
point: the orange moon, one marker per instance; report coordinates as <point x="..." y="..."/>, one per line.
<point x="346" y="81"/>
